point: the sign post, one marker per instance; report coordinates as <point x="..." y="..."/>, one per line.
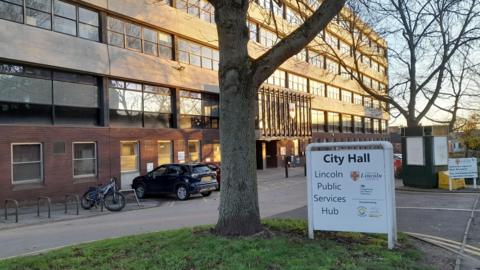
<point x="462" y="168"/>
<point x="351" y="188"/>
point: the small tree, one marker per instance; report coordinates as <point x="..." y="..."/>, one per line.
<point x="471" y="135"/>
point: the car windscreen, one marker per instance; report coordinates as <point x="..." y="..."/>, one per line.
<point x="201" y="169"/>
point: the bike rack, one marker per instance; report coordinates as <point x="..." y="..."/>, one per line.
<point x="134" y="194"/>
<point x="49" y="204"/>
<point x="77" y="202"/>
<point x="15" y="202"/>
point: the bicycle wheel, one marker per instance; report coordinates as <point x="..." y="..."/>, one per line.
<point x="114" y="201"/>
<point x="85" y="202"/>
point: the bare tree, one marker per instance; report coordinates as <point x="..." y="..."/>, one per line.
<point x="427" y="35"/>
<point x="461" y="93"/>
<point x="240" y="76"/>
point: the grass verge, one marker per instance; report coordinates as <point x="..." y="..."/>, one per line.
<point x="283" y="245"/>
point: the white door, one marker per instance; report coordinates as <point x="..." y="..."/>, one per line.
<point x="129" y="163"/>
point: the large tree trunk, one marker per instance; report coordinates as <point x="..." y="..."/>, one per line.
<point x="239" y="214"/>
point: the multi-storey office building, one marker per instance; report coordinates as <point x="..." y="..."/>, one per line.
<point x="98" y="88"/>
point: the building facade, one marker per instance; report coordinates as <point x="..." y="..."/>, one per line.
<point x="98" y="88"/>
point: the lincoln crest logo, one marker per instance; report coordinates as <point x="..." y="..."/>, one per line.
<point x="354" y="175"/>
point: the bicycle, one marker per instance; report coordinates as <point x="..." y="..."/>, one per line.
<point x="106" y="195"/>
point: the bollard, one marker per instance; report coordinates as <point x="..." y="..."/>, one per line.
<point x="286" y="168"/>
<point x="305" y="169"/>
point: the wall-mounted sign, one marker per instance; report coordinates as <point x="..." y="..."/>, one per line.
<point x="283" y="151"/>
<point x="351" y="189"/>
<point x="149" y="166"/>
<point x="181" y="156"/>
<point x="291" y="109"/>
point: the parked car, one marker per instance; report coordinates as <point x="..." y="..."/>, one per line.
<point x="182" y="180"/>
<point x="216" y="168"/>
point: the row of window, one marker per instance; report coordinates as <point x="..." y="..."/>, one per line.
<point x="27" y="159"/>
<point x="56" y="15"/>
<point x="302" y="84"/>
<point x="335" y="122"/>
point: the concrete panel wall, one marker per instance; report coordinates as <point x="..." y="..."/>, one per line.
<point x="130" y="64"/>
<point x="30" y="44"/>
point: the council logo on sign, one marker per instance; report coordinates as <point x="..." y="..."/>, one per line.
<point x="362" y="211"/>
<point x="354" y="175"/>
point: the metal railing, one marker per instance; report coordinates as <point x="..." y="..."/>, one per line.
<point x="6" y="209"/>
<point x="75" y="198"/>
<point x="49" y="204"/>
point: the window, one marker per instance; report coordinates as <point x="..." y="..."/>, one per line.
<point x="345" y="73"/>
<point x="273" y="6"/>
<point x="316" y="59"/>
<point x="346" y="123"/>
<point x="268" y="38"/>
<point x="357" y="99"/>
<point x="331" y="40"/>
<point x="347" y="96"/>
<point x="84" y="159"/>
<point x="11" y="10"/>
<point x="317" y="88"/>
<point x="88" y="24"/>
<point x="277" y="78"/>
<point x="165" y="152"/>
<point x="376" y="126"/>
<point x="136" y="105"/>
<point x="38" y="13"/>
<point x="217" y="156"/>
<point x="253" y="30"/>
<point x="333" y="120"/>
<point x="141" y="39"/>
<point x="67" y="18"/>
<point x="333" y="92"/>
<point x="297" y="83"/>
<point x="368" y="125"/>
<point x="318" y="121"/>
<point x="27" y="163"/>
<point x="198" y="8"/>
<point x="358" y="124"/>
<point x="345" y="49"/>
<point x="197" y="55"/>
<point x="368" y="102"/>
<point x="194" y="153"/>
<point x="376" y="104"/>
<point x="198" y="110"/>
<point x="301" y="56"/>
<point x="26" y="96"/>
<point x="129" y="157"/>
<point x="292" y="16"/>
<point x="332" y="66"/>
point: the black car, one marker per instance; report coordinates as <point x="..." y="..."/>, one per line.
<point x="181" y="179"/>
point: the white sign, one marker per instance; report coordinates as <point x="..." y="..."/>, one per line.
<point x="181" y="156"/>
<point x="462" y="168"/>
<point x="440" y="151"/>
<point x="149" y="166"/>
<point x="283" y="151"/>
<point x="291" y="109"/>
<point x="351" y="189"/>
<point x="415" y="151"/>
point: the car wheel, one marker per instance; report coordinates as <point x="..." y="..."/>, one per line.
<point x="182" y="193"/>
<point x="141" y="191"/>
<point x="206" y="194"/>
